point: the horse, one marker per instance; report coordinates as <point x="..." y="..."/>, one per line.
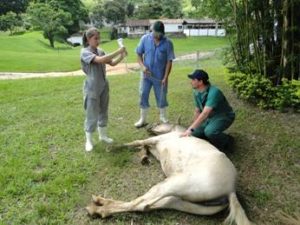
<point x="200" y="179"/>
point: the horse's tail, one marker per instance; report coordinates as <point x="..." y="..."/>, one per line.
<point x="237" y="213"/>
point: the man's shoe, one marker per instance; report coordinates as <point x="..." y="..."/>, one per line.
<point x="163" y="115"/>
<point x="229" y="146"/>
<point x="142" y="121"/>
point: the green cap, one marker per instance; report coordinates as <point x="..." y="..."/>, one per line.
<point x="158" y="27"/>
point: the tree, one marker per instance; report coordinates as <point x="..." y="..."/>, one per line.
<point x="152" y="10"/>
<point x="52" y="22"/>
<point x="171" y="9"/>
<point x="97" y="15"/>
<point x="9" y="21"/>
<point x="114" y="12"/>
<point x="216" y="9"/>
<point x="196" y="3"/>
<point x="16" y="6"/>
<point x="155" y="9"/>
<point x="264" y="35"/>
<point x="130" y="8"/>
<point x="74" y="7"/>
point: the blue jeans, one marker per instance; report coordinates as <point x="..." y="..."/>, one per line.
<point x="160" y="92"/>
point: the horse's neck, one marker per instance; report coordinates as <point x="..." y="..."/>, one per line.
<point x="179" y="128"/>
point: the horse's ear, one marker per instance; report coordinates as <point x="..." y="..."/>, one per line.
<point x="174" y="127"/>
<point x="178" y="120"/>
<point x="151" y="128"/>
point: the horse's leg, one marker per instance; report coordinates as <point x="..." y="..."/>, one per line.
<point x="148" y="141"/>
<point x="143" y="154"/>
<point x="105" y="207"/>
<point x="152" y="140"/>
<point x="149" y="144"/>
<point x="186" y="206"/>
<point x="166" y="203"/>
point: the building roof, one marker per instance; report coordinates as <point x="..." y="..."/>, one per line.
<point x="168" y="21"/>
<point x="149" y="22"/>
<point x="137" y="23"/>
<point x="198" y="21"/>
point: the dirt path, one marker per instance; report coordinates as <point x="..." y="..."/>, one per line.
<point x="194" y="56"/>
<point x="122" y="68"/>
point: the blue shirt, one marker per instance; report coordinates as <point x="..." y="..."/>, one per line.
<point x="155" y="56"/>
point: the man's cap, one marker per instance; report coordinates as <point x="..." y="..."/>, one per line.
<point x="159" y="27"/>
<point x="199" y="75"/>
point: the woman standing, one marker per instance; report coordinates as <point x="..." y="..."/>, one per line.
<point x="96" y="87"/>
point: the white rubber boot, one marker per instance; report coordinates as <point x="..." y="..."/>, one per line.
<point x="103" y="135"/>
<point x="142" y="120"/>
<point x="163" y="115"/>
<point x="89" y="141"/>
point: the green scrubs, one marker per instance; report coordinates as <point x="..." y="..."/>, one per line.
<point x="219" y="120"/>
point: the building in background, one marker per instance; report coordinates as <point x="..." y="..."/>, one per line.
<point x="203" y="27"/>
<point x="177" y="27"/>
<point x="173" y="28"/>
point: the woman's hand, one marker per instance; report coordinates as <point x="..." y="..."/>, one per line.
<point x="124" y="54"/>
<point x="122" y="50"/>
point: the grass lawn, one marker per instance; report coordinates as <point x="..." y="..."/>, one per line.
<point x="30" y="52"/>
<point x="47" y="178"/>
<point x="181" y="46"/>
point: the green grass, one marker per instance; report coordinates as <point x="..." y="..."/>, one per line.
<point x="181" y="46"/>
<point x="47" y="178"/>
<point x="30" y="52"/>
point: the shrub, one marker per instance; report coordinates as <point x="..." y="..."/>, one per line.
<point x="260" y="91"/>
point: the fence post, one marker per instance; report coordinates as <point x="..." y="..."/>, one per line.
<point x="198" y="59"/>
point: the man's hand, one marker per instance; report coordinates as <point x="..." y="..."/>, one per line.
<point x="146" y="71"/>
<point x="186" y="133"/>
<point x="164" y="81"/>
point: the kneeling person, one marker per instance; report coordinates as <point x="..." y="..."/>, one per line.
<point x="212" y="115"/>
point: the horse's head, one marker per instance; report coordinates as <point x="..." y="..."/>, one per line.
<point x="163" y="128"/>
<point x="158" y="129"/>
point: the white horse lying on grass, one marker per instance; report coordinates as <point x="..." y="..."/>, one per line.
<point x="199" y="179"/>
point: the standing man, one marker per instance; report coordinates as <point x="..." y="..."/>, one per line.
<point x="212" y="115"/>
<point x="155" y="54"/>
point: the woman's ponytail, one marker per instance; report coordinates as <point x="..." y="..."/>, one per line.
<point x="84" y="40"/>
